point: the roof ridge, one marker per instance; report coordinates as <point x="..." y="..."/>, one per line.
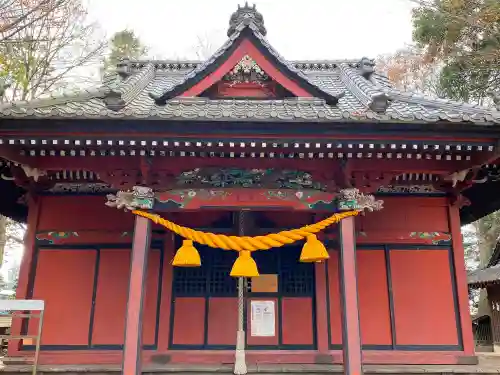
<point x="182" y="65"/>
<point x="138" y="82"/>
<point x="369" y="94"/>
<point x="63" y="98"/>
<point x="440" y="103"/>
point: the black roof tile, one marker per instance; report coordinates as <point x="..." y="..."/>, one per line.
<point x="150" y="90"/>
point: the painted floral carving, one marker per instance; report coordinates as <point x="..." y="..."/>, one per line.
<point x="55" y="237"/>
<point x="435" y="237"/>
<point x="248" y="178"/>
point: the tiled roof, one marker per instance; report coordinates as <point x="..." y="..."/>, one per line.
<point x="344" y="95"/>
<point x="481" y="278"/>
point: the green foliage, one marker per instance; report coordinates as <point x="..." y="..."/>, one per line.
<point x="465" y="36"/>
<point x="463" y="81"/>
<point x="124" y="44"/>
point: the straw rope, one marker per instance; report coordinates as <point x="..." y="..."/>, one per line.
<point x="245" y="243"/>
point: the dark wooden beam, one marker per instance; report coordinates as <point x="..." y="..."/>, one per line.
<point x="132" y="350"/>
<point x="461" y="281"/>
<point x="146" y="167"/>
<point x="181" y="164"/>
<point x="351" y="338"/>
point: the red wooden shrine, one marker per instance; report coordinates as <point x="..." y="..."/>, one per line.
<point x="247" y="130"/>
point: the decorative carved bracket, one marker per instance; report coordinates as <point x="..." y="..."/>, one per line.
<point x="34" y="173"/>
<point x="352" y="199"/>
<point x="140" y="197"/>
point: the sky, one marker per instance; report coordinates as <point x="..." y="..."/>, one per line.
<point x="298" y="30"/>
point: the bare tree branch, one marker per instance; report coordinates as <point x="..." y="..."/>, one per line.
<point x="22" y="19"/>
<point x="15" y="239"/>
<point x="45" y="55"/>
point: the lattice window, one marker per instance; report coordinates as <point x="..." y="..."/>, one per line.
<point x="295" y="278"/>
<point x="190" y="281"/>
<point x="211" y="279"/>
<point x="220" y="283"/>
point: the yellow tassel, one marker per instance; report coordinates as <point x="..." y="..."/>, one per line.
<point x="187" y="255"/>
<point x="244" y="266"/>
<point x="313" y="250"/>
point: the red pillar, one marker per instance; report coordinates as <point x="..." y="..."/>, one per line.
<point x="321" y="307"/>
<point x="351" y="340"/>
<point x="461" y="280"/>
<point x="166" y="292"/>
<point x="133" y="321"/>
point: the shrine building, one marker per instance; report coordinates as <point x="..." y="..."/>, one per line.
<point x="247" y="145"/>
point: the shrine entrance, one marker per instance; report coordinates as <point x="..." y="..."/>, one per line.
<point x="205" y="306"/>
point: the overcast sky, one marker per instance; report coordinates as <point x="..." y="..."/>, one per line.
<point x="299" y="30"/>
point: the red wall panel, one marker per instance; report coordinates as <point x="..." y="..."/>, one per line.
<point x="297" y="321"/>
<point x="64" y="280"/>
<point x="334" y="299"/>
<point x="423" y="297"/>
<point x="222" y="321"/>
<point x="189" y="321"/>
<point x="374" y="312"/>
<point x="396" y="225"/>
<point x="65" y="213"/>
<point x="419" y="214"/>
<point x="111" y="297"/>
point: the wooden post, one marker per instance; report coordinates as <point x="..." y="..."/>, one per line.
<point x="494" y="300"/>
<point x="240" y="364"/>
<point x="461" y="280"/>
<point x="351" y="339"/>
<point x="321" y="307"/>
<point x="133" y="321"/>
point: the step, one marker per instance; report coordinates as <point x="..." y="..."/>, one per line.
<point x="254" y="369"/>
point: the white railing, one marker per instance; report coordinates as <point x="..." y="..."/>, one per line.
<point x="25" y="308"/>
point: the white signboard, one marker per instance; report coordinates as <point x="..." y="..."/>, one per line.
<point x="262" y="318"/>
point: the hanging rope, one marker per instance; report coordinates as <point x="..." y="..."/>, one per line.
<point x="240" y="366"/>
<point x="245" y="266"/>
<point x="243" y="243"/>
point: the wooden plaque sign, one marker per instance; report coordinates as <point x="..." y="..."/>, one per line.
<point x="265" y="284"/>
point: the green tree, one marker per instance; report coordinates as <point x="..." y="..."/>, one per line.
<point x="465" y="36"/>
<point x="124" y="44"/>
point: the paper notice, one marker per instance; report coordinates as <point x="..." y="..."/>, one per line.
<point x="262" y="318"/>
